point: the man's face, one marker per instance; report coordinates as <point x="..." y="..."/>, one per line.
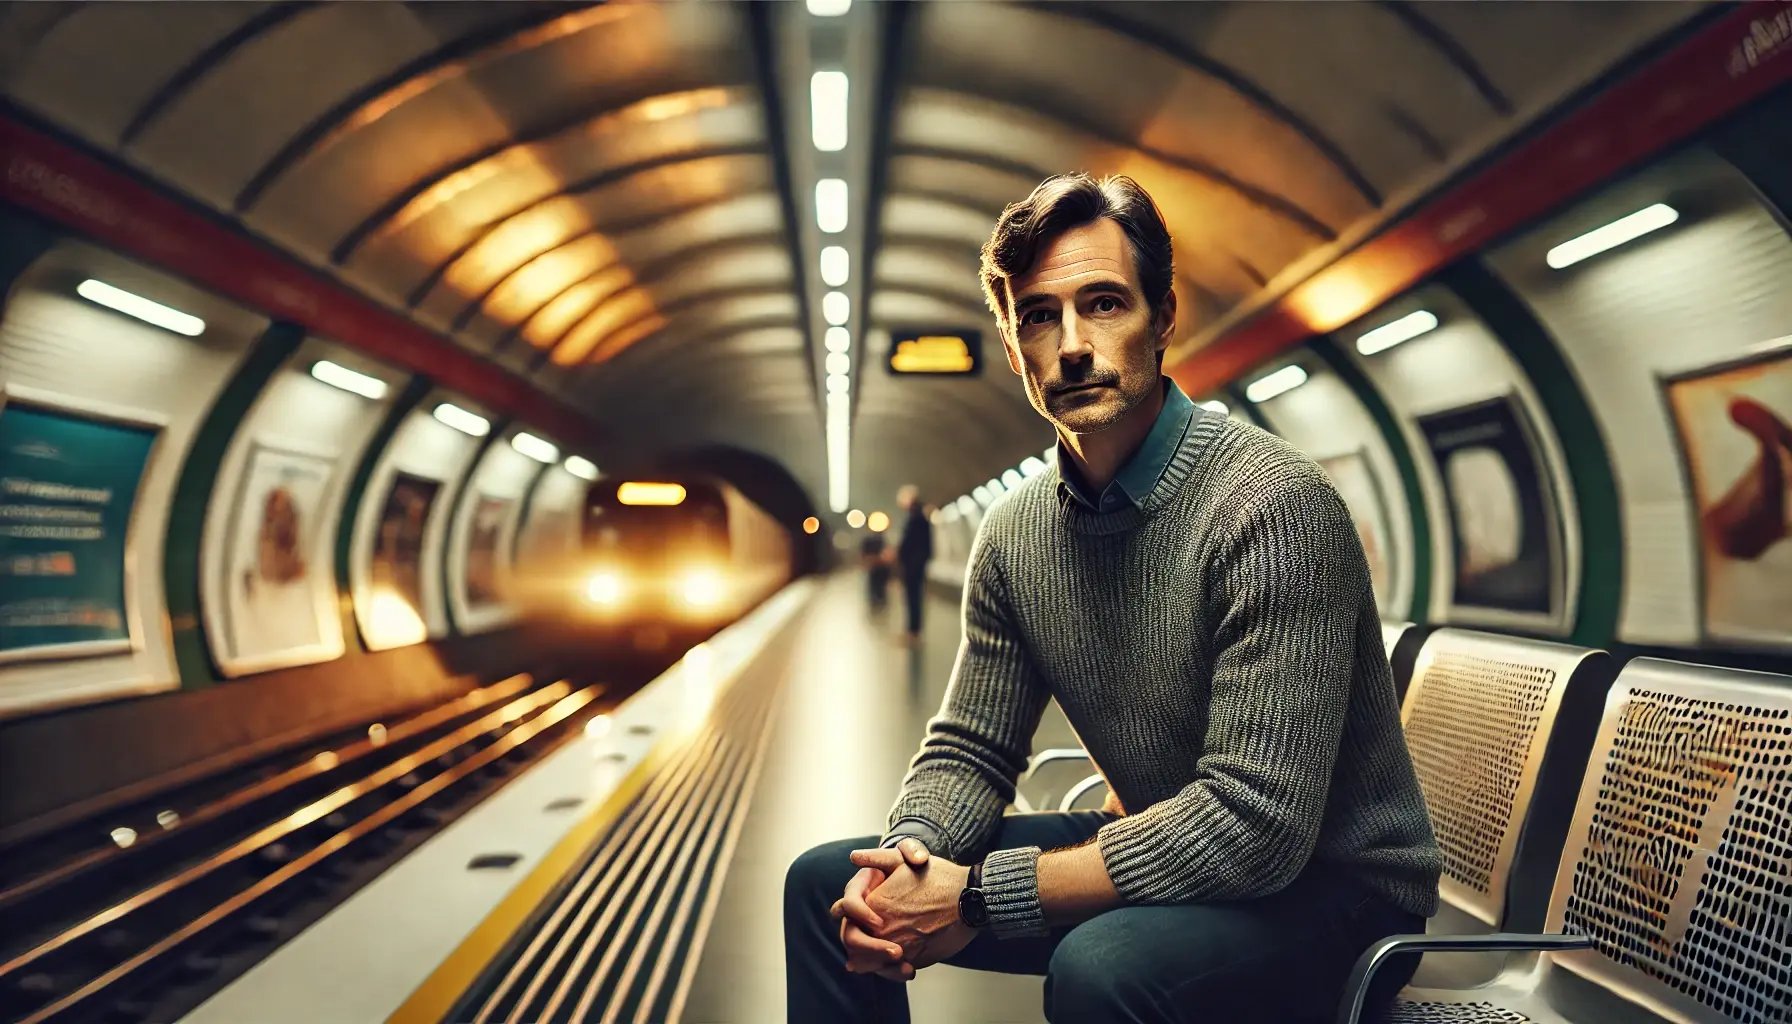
<point x="1081" y="334"/>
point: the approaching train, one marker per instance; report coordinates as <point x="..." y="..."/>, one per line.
<point x="662" y="561"/>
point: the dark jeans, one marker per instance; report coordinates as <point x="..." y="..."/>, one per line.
<point x="1280" y="959"/>
<point x="914" y="591"/>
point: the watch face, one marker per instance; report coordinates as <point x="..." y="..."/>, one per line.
<point x="971" y="909"/>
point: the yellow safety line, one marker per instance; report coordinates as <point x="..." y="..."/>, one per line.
<point x="435" y="998"/>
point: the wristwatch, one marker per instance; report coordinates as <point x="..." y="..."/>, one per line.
<point x="971" y="909"/>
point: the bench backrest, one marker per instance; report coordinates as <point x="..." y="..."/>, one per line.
<point x="1679" y="860"/>
<point x="1500" y="728"/>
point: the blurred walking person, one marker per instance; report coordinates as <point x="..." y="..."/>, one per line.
<point x="912" y="555"/>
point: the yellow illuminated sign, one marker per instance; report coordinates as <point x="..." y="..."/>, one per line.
<point x="935" y="353"/>
<point x="638" y="493"/>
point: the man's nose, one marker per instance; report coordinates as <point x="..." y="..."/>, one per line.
<point x="1073" y="345"/>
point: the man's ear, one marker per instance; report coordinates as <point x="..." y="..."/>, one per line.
<point x="1164" y="320"/>
<point x="1012" y="350"/>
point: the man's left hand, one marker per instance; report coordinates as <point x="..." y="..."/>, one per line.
<point x="918" y="906"/>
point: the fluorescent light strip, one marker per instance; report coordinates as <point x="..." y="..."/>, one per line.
<point x="839" y="340"/>
<point x="827" y="110"/>
<point x="1011" y="478"/>
<point x="836" y="265"/>
<point x="839" y="384"/>
<point x="1032" y="466"/>
<point x="535" y="448"/>
<point x="147" y="310"/>
<point x="1406" y="328"/>
<point x="830" y="205"/>
<point x="836" y="308"/>
<point x="839" y="362"/>
<point x="1217" y="406"/>
<point x="829" y="8"/>
<point x="967" y="505"/>
<point x="462" y="420"/>
<point x="1278" y="383"/>
<point x="348" y="380"/>
<point x="1624" y="229"/>
<point x="582" y="468"/>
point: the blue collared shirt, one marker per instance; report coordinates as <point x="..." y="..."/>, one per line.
<point x="1139" y="476"/>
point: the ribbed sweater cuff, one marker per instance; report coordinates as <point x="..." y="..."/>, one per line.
<point x="1011" y="893"/>
<point x="930" y="835"/>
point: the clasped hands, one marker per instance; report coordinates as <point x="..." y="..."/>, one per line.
<point x="900" y="912"/>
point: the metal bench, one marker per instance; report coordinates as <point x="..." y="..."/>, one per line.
<point x="1500" y="729"/>
<point x="1673" y="897"/>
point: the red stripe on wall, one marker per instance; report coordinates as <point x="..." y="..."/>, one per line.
<point x="99" y="200"/>
<point x="1717" y="70"/>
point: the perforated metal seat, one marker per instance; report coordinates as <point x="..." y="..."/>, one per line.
<point x="1500" y="729"/>
<point x="1676" y="879"/>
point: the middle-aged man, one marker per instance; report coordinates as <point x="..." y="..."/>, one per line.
<point x="1192" y="592"/>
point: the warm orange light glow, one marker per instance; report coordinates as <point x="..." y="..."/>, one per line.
<point x="552" y="321"/>
<point x="636" y="492"/>
<point x="877" y="522"/>
<point x="614" y="313"/>
<point x="509" y="246"/>
<point x="932" y="353"/>
<point x="547" y="275"/>
<point x="1331" y="300"/>
<point x="811" y="525"/>
<point x="527" y="155"/>
<point x="393" y="619"/>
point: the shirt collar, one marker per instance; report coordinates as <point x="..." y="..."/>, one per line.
<point x="1140" y="473"/>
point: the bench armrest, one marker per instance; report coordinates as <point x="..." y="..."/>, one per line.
<point x="1045" y="757"/>
<point x="1356" y="990"/>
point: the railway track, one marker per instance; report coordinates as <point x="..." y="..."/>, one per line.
<point x="145" y="922"/>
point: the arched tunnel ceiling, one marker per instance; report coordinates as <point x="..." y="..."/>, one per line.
<point x="615" y="200"/>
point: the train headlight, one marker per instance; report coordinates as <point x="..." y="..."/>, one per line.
<point x="606" y="587"/>
<point x="702" y="589"/>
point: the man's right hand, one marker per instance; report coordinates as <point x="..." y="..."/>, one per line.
<point x="865" y="952"/>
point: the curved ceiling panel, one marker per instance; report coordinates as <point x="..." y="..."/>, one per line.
<point x="411" y="261"/>
<point x="139" y="45"/>
<point x="1128" y="94"/>
<point x="1194" y="206"/>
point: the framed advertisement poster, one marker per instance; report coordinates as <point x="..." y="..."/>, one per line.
<point x="1505" y="532"/>
<point x="1734" y="424"/>
<point x="485" y="572"/>
<point x="68" y="485"/>
<point x="277" y="587"/>
<point x="395" y="571"/>
<point x="1358" y="485"/>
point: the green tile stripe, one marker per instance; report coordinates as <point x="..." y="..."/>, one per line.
<point x="1583" y="445"/>
<point x="198" y="476"/>
<point x="1359" y="384"/>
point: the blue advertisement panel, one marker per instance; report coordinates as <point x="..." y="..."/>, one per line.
<point x="67" y="485"/>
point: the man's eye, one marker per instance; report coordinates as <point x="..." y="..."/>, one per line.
<point x="1106" y="304"/>
<point x="1036" y="316"/>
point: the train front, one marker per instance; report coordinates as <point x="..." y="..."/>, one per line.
<point x="655" y="561"/>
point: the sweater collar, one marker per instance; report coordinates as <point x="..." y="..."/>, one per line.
<point x="1201" y="428"/>
<point x="1144" y="470"/>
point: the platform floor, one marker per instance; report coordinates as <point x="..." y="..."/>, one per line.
<point x="855" y="706"/>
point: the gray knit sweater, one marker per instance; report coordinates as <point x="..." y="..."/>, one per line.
<point x="1219" y="653"/>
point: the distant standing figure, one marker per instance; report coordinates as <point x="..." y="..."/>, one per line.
<point x="913" y="554"/>
<point x="877" y="568"/>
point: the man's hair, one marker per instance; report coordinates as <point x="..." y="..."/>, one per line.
<point x="1068" y="201"/>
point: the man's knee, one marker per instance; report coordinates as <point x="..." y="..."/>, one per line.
<point x="1092" y="977"/>
<point x="820" y="873"/>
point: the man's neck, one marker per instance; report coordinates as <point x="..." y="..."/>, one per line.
<point x="1100" y="455"/>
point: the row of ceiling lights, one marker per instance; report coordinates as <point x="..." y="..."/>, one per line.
<point x="334" y="374"/>
<point x="828" y="110"/>
<point x="1412" y="325"/>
